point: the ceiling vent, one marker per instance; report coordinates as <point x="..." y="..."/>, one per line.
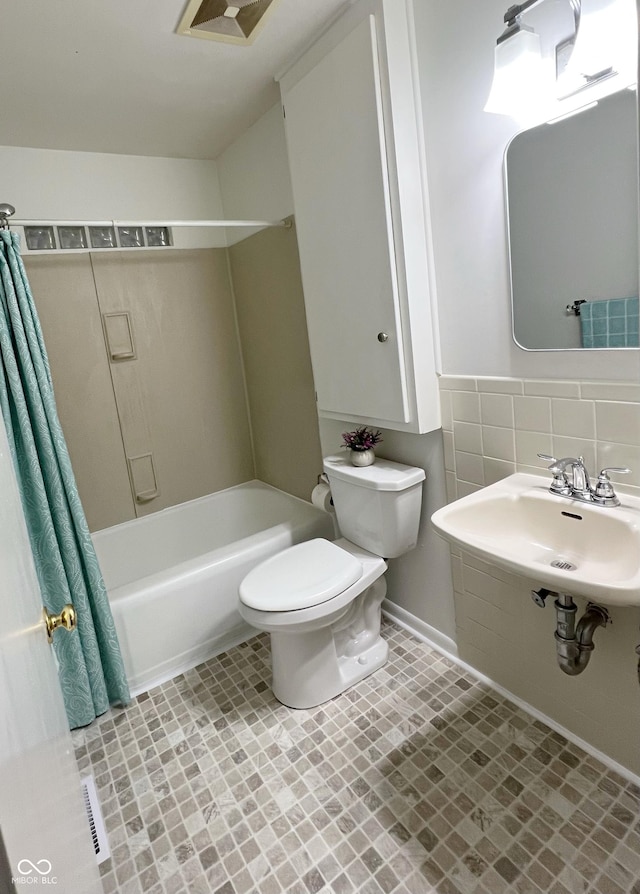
<point x="232" y="21"/>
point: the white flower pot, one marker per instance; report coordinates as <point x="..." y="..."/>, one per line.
<point x="362" y="457"/>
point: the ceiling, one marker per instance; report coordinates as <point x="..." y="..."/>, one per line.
<point x="113" y="76"/>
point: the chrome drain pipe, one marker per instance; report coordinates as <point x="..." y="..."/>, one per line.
<point x="574" y="645"/>
<point x="574" y="642"/>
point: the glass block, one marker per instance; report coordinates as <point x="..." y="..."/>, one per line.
<point x="40" y="238"/>
<point x="158" y="236"/>
<point x="103" y="237"/>
<point x="72" y="237"/>
<point x="131" y="237"/>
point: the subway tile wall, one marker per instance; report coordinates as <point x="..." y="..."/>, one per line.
<point x="493" y="427"/>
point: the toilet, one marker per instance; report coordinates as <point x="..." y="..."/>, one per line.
<point x="320" y="600"/>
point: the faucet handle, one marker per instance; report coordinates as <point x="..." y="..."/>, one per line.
<point x="620" y="471"/>
<point x="559" y="465"/>
<point x="559" y="485"/>
<point x="604" y="492"/>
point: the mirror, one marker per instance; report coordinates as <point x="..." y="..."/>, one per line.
<point x="572" y="208"/>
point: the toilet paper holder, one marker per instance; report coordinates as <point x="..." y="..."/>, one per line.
<point x="321" y="495"/>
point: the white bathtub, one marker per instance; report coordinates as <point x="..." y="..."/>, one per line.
<point x="173" y="577"/>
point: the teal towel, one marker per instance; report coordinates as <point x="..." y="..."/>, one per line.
<point x="610" y="323"/>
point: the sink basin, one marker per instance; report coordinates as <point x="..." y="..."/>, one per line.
<point x="563" y="544"/>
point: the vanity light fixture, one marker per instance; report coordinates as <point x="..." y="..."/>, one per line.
<point x="605" y="46"/>
<point x="519" y="77"/>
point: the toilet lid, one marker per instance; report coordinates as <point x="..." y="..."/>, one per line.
<point x="303" y="575"/>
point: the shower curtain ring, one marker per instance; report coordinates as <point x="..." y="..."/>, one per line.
<point x="5" y="212"/>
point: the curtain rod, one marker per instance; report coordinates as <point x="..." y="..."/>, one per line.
<point x="150" y="223"/>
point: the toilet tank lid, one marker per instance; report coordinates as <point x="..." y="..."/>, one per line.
<point x="382" y="475"/>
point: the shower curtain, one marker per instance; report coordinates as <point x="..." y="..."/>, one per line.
<point x="90" y="664"/>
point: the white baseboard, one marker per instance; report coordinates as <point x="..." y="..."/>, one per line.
<point x="420" y="629"/>
<point x="449" y="649"/>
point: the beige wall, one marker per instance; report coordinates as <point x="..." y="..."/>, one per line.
<point x="64" y="293"/>
<point x="493" y="427"/>
<point x="182" y="398"/>
<point x="270" y="307"/>
<point x="186" y="398"/>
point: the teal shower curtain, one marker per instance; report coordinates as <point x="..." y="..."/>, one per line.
<point x="90" y="665"/>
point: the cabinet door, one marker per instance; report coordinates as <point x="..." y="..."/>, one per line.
<point x="335" y="138"/>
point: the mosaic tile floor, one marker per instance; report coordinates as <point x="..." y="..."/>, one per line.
<point x="419" y="779"/>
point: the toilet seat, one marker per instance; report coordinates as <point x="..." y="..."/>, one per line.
<point x="301" y="576"/>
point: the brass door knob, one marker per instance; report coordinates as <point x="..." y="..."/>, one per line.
<point x="67" y="619"/>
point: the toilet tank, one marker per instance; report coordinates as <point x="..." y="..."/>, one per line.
<point x="378" y="506"/>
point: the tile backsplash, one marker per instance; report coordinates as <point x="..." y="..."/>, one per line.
<point x="496" y="426"/>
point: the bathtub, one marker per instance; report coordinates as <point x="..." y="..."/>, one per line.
<point x="173" y="577"/>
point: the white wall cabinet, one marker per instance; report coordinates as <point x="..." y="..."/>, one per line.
<point x="353" y="137"/>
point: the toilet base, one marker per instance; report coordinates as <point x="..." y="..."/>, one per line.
<point x="311" y="692"/>
<point x="312" y="667"/>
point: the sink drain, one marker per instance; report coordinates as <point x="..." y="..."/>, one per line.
<point x="563" y="565"/>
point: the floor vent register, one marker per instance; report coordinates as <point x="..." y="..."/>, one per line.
<point x="96" y="822"/>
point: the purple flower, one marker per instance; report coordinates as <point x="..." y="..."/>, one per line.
<point x="361" y="439"/>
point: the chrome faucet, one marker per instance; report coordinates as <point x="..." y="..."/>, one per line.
<point x="578" y="486"/>
<point x="581" y="485"/>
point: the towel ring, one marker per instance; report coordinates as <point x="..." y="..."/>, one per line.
<point x="575" y="307"/>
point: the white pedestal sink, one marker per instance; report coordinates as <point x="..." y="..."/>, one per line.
<point x="566" y="545"/>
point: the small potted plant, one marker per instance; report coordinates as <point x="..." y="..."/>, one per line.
<point x="360" y="444"/>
